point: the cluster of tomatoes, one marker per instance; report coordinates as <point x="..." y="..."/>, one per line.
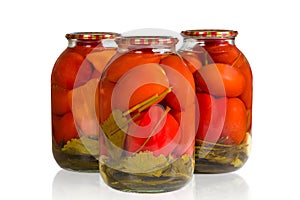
<point x="134" y="77"/>
<point x="74" y="81"/>
<point x="223" y="81"/>
<point x="218" y="73"/>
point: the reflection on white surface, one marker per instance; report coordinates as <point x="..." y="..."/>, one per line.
<point x="69" y="185"/>
<point x="221" y="186"/>
<point x="89" y="186"/>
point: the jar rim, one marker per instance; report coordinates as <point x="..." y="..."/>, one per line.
<point x="209" y="33"/>
<point x="94" y="36"/>
<point x="147" y="40"/>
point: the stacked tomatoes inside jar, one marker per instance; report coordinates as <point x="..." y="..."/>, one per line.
<point x="147" y="117"/>
<point x="75" y="102"/>
<point x="223" y="81"/>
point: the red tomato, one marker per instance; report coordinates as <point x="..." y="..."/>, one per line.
<point x="249" y="120"/>
<point x="71" y="67"/>
<point x="191" y="60"/>
<point x="176" y="114"/>
<point x="84" y="73"/>
<point x="235" y="122"/>
<point x="223" y="53"/>
<point x="106" y="90"/>
<point x="138" y="85"/>
<point x="181" y="81"/>
<point x="163" y="141"/>
<point x="202" y="54"/>
<point x="128" y="61"/>
<point x="59" y="100"/>
<point x="220" y="80"/>
<point x="212" y="117"/>
<point x="85" y="106"/>
<point x="65" y="129"/>
<point x="246" y="96"/>
<point x="55" y="124"/>
<point x="84" y="49"/>
<point x="187" y="120"/>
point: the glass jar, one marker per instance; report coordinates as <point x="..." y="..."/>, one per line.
<point x="147" y="117"/>
<point x="223" y="81"/>
<point x="74" y="99"/>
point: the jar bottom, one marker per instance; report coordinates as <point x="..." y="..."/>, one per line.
<point x="71" y="162"/>
<point x="213" y="158"/>
<point x="204" y="166"/>
<point x="169" y="178"/>
<point x="141" y="183"/>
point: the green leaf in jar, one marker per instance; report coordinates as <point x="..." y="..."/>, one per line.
<point x="183" y="165"/>
<point x="115" y="128"/>
<point x="82" y="146"/>
<point x="144" y="162"/>
<point x="224" y="155"/>
<point x="237" y="163"/>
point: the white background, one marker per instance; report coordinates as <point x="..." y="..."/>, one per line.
<point x="32" y="37"/>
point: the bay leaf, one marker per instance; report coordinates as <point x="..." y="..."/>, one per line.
<point x="183" y="165"/>
<point x="115" y="128"/>
<point x="144" y="162"/>
<point x="81" y="146"/>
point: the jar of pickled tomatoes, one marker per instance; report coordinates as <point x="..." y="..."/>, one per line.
<point x="147" y="117"/>
<point x="74" y="99"/>
<point x="223" y="81"/>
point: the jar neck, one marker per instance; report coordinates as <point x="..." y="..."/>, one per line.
<point x="191" y="42"/>
<point x="84" y="43"/>
<point x="155" y="48"/>
<point x="156" y="44"/>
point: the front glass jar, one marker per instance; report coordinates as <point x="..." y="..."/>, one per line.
<point x="223" y="81"/>
<point x="147" y="117"/>
<point x="74" y="99"/>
